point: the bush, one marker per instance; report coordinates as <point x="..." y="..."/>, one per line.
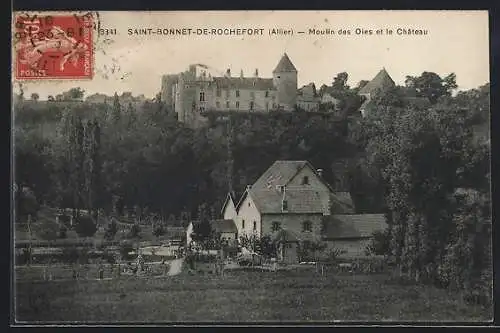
<point x="125" y="249"/>
<point x="85" y="226"/>
<point x="379" y="244"/>
<point x="70" y="255"/>
<point x="63" y="232"/>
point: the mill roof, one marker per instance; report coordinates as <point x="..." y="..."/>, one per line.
<point x="244" y="83"/>
<point x="285" y="65"/>
<point x="353" y="226"/>
<point x="381" y="81"/>
<point x="299" y="201"/>
<point x="279" y="173"/>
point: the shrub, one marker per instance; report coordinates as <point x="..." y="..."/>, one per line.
<point x="70" y="255"/>
<point x="379" y="244"/>
<point x="125" y="249"/>
<point x="63" y="232"/>
<point x="85" y="226"/>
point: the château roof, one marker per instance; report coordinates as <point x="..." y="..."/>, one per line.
<point x="285" y="65"/>
<point x="244" y="83"/>
<point x="381" y="81"/>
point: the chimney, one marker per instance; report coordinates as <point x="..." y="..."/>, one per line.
<point x="228" y="72"/>
<point x="256" y="72"/>
<point x="241" y="74"/>
<point x="284" y="202"/>
<point x="320" y="172"/>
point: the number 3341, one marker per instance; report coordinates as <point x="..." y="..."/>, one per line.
<point x="107" y="32"/>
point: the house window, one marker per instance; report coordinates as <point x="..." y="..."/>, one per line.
<point x="305" y="180"/>
<point x="243" y="224"/>
<point x="249" y="204"/>
<point x="237" y="105"/>
<point x="267" y="93"/>
<point x="276" y="226"/>
<point x="285" y="205"/>
<point x="217" y="104"/>
<point x="227" y="104"/>
<point x="307" y="226"/>
<point x="254" y="225"/>
<point x="251" y="105"/>
<point x="218" y="92"/>
<point x="237" y="93"/>
<point x="202" y="96"/>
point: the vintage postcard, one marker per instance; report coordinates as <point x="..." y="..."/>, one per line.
<point x="251" y="167"/>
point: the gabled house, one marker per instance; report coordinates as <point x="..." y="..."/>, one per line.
<point x="289" y="196"/>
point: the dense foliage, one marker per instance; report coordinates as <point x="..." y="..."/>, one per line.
<point x="419" y="156"/>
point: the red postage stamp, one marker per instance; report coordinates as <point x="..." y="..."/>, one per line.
<point x="53" y="46"/>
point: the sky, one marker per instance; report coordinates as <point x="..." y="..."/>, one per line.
<point x="456" y="41"/>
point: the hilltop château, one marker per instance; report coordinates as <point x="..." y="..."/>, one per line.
<point x="195" y="91"/>
<point x="200" y="89"/>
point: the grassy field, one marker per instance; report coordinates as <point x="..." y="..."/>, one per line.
<point x="241" y="297"/>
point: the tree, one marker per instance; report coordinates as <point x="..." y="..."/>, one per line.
<point x="50" y="98"/>
<point x="111" y="230"/>
<point x="340" y="82"/>
<point x="35" y="97"/>
<point x="46" y="229"/>
<point x="134" y="232"/>
<point x="85" y="226"/>
<point x="26" y="201"/>
<point x="379" y="244"/>
<point x="202" y="231"/>
<point x="73" y="94"/>
<point x="431" y="85"/>
<point x="158" y="230"/>
<point x="423" y="156"/>
<point x="117" y="108"/>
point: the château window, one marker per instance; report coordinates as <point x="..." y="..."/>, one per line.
<point x="217" y="104"/>
<point x="307" y="226"/>
<point x="267" y="93"/>
<point x="218" y="92"/>
<point x="305" y="180"/>
<point x="243" y="224"/>
<point x="276" y="226"/>
<point x="252" y="94"/>
<point x="254" y="225"/>
<point x="237" y="105"/>
<point x="227" y="104"/>
<point x="285" y="205"/>
<point x="237" y="93"/>
<point x="227" y="93"/>
<point x="251" y="105"/>
<point x="267" y="106"/>
<point x="202" y="96"/>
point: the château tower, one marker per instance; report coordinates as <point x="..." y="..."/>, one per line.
<point x="285" y="81"/>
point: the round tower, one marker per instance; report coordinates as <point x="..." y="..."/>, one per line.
<point x="285" y="82"/>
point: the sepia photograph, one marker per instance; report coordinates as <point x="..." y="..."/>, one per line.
<point x="251" y="167"/>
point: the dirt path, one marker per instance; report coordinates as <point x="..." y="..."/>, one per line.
<point x="175" y="267"/>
